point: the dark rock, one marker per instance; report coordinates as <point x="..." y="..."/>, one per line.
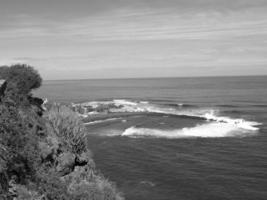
<point x="38" y="102"/>
<point x="66" y="163"/>
<point x="82" y="159"/>
<point x="3" y="89"/>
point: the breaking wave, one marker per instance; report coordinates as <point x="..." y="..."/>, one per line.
<point x="214" y="130"/>
<point x="218" y="126"/>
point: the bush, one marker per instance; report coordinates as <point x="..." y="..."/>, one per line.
<point x="19" y="126"/>
<point x="67" y="126"/>
<point x="21" y="192"/>
<point x="51" y="185"/>
<point x="19" y="144"/>
<point x="43" y="158"/>
<point x="21" y="77"/>
<point x="84" y="184"/>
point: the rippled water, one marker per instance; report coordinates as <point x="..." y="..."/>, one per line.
<point x="177" y="138"/>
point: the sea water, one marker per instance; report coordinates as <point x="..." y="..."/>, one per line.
<point x="175" y="138"/>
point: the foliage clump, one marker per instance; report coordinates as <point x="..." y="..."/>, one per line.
<point x="67" y="126"/>
<point x="21" y="78"/>
<point x="84" y="184"/>
<point x="43" y="155"/>
<point x="19" y="128"/>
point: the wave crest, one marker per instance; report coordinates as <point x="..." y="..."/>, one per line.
<point x="126" y="106"/>
<point x="210" y="130"/>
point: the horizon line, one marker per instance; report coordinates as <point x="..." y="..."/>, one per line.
<point x="167" y="77"/>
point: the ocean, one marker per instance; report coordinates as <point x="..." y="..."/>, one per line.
<point x="175" y="138"/>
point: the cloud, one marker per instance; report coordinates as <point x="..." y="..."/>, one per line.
<point x="145" y="24"/>
<point x="139" y="37"/>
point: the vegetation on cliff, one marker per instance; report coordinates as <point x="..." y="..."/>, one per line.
<point x="43" y="154"/>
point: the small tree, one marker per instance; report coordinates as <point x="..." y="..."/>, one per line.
<point x="21" y="77"/>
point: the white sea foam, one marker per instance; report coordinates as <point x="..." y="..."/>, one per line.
<point x="239" y="123"/>
<point x="101" y="121"/>
<point x="209" y="130"/>
<point x="122" y="105"/>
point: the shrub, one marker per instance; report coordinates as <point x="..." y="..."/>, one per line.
<point x="67" y="126"/>
<point x="51" y="185"/>
<point x="43" y="158"/>
<point x="84" y="184"/>
<point x="21" y="77"/>
<point x="18" y="126"/>
<point x="19" y="143"/>
<point x="21" y="192"/>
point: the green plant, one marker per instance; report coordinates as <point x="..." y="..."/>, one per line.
<point x="21" y="192"/>
<point x="85" y="184"/>
<point x="18" y="126"/>
<point x="23" y="78"/>
<point x="43" y="157"/>
<point x="67" y="126"/>
<point x="19" y="144"/>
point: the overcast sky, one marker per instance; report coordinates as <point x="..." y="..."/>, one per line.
<point x="77" y="39"/>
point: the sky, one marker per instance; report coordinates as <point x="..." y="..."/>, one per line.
<point x="85" y="39"/>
